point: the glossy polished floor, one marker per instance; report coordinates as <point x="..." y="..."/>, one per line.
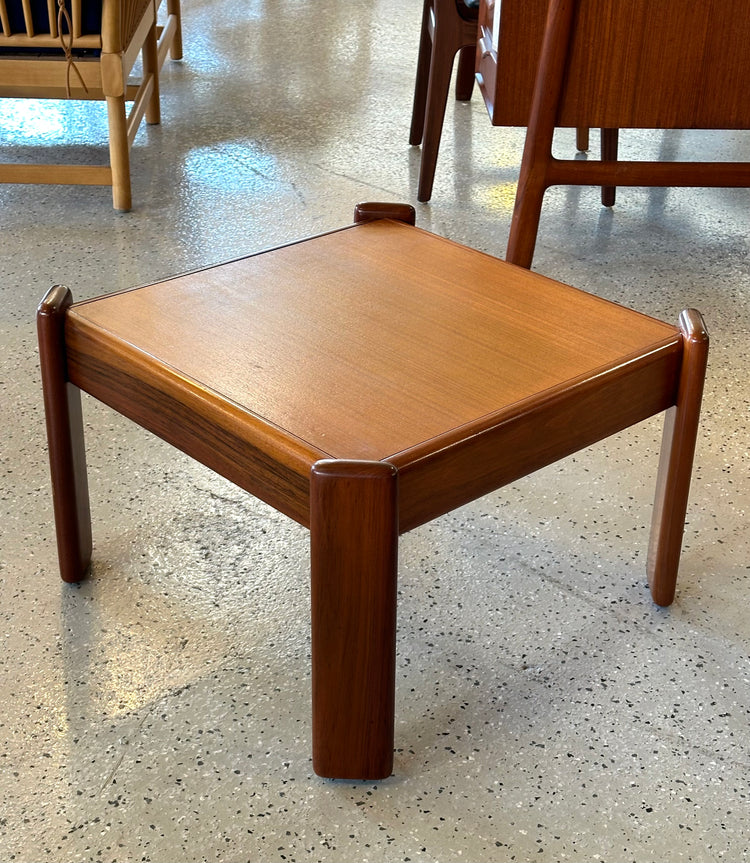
<point x="546" y="709"/>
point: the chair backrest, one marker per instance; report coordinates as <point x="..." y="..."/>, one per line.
<point x="630" y="63"/>
<point x="34" y="23"/>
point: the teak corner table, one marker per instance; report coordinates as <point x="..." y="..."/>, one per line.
<point x="364" y="382"/>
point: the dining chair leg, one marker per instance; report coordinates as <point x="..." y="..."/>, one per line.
<point x="67" y="455"/>
<point x="423" y="76"/>
<point x="437" y="99"/>
<point x="676" y="461"/>
<point x="150" y="58"/>
<point x="353" y="552"/>
<point x="466" y="74"/>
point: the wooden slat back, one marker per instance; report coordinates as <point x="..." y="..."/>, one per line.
<point x="27" y="17"/>
<point x="4" y="22"/>
<point x="120" y="20"/>
<point x="33" y="24"/>
<point x="25" y="20"/>
<point x="36" y="19"/>
<point x="132" y="12"/>
<point x="52" y="15"/>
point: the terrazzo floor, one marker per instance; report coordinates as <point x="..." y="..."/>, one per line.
<point x="546" y="709"/>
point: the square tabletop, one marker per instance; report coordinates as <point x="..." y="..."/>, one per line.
<point x="372" y="341"/>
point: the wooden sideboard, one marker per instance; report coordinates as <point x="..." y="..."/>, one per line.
<point x="630" y="63"/>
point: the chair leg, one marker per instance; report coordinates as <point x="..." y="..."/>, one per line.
<point x="582" y="139"/>
<point x="353" y="544"/>
<point x="67" y="455"/>
<point x="467" y="58"/>
<point x="119" y="153"/>
<point x="151" y="69"/>
<point x="175" y="49"/>
<point x="423" y="77"/>
<point x="610" y="140"/>
<point x="451" y="34"/>
<point x="441" y="69"/>
<point x="676" y="462"/>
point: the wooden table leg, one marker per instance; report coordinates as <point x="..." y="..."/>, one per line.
<point x="676" y="462"/>
<point x="354" y="545"/>
<point x="67" y="456"/>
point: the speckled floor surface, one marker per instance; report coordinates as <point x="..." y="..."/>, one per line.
<point x="546" y="709"/>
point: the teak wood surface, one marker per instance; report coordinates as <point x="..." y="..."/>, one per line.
<point x="654" y="64"/>
<point x="377" y="342"/>
<point x="363" y="382"/>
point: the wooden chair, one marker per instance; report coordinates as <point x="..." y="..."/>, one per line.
<point x="87" y="52"/>
<point x="449" y="27"/>
<point x="612" y="64"/>
<point x="364" y="382"/>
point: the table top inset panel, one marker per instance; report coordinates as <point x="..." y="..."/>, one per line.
<point x="369" y="341"/>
